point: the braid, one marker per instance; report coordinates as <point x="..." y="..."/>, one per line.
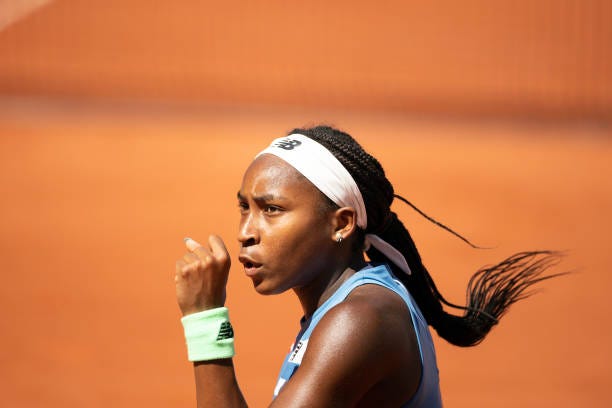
<point x="490" y="291"/>
<point x="367" y="172"/>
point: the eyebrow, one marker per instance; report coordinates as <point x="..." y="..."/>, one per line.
<point x="261" y="198"/>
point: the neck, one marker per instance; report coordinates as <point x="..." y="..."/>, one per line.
<point x="313" y="295"/>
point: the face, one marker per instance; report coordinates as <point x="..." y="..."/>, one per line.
<point x="286" y="240"/>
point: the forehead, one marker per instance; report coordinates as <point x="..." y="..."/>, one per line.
<point x="268" y="173"/>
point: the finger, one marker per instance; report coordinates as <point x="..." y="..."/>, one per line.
<point x="202" y="253"/>
<point x="191" y="244"/>
<point x="190" y="257"/>
<point x="217" y="247"/>
<point x="183" y="269"/>
<point x="179" y="265"/>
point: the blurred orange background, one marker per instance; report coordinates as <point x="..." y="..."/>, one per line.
<point x="126" y="125"/>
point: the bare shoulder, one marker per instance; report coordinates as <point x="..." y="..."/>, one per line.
<point x="382" y="321"/>
<point x="362" y="349"/>
<point x="372" y="319"/>
<point x="379" y="315"/>
<point x="378" y="301"/>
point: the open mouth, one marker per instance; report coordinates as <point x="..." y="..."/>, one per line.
<point x="250" y="267"/>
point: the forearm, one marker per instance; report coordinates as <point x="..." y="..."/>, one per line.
<point x="216" y="384"/>
<point x="201" y="277"/>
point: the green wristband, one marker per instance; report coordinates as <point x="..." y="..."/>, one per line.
<point x="209" y="335"/>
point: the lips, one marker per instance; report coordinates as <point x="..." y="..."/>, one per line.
<point x="250" y="265"/>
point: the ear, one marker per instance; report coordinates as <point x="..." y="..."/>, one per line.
<point x="344" y="223"/>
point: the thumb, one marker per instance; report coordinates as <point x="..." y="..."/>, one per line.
<point x="217" y="246"/>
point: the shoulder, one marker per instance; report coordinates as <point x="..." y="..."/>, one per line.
<point x="360" y="344"/>
<point x="377" y="313"/>
<point x="373" y="323"/>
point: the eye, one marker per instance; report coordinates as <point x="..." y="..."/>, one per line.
<point x="243" y="206"/>
<point x="271" y="209"/>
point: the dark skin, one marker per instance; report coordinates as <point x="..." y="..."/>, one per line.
<point x="289" y="241"/>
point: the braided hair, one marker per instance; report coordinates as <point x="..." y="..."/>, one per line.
<point x="490" y="291"/>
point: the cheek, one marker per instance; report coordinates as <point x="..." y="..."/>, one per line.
<point x="305" y="247"/>
<point x="304" y="231"/>
<point x="284" y="241"/>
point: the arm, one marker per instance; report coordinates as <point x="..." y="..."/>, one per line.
<point x="216" y="384"/>
<point x="201" y="277"/>
<point x="363" y="352"/>
<point x="354" y="355"/>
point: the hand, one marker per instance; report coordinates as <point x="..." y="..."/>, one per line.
<point x="201" y="276"/>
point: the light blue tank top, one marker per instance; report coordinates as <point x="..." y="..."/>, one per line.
<point x="428" y="392"/>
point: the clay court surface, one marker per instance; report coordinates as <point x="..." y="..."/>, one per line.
<point x="96" y="200"/>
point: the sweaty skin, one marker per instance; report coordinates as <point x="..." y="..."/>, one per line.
<point x="288" y="242"/>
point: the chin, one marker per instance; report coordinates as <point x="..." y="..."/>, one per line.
<point x="265" y="288"/>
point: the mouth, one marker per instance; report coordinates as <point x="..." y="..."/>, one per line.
<point x="250" y="266"/>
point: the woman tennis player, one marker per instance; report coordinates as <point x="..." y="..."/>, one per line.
<point x="311" y="205"/>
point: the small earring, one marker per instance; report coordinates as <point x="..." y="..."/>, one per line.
<point x="339" y="237"/>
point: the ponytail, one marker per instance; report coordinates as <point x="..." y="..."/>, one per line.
<point x="490" y="290"/>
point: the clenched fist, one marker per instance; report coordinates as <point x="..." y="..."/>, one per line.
<point x="201" y="276"/>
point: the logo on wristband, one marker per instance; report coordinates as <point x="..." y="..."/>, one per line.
<point x="225" y="331"/>
<point x="287" y="144"/>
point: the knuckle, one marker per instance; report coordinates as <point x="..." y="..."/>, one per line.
<point x="185" y="270"/>
<point x="223" y="258"/>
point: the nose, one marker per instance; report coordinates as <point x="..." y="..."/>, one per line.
<point x="247" y="232"/>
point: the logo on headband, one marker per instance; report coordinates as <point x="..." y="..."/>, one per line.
<point x="287" y="144"/>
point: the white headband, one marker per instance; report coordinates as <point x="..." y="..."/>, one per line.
<point x="322" y="169"/>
